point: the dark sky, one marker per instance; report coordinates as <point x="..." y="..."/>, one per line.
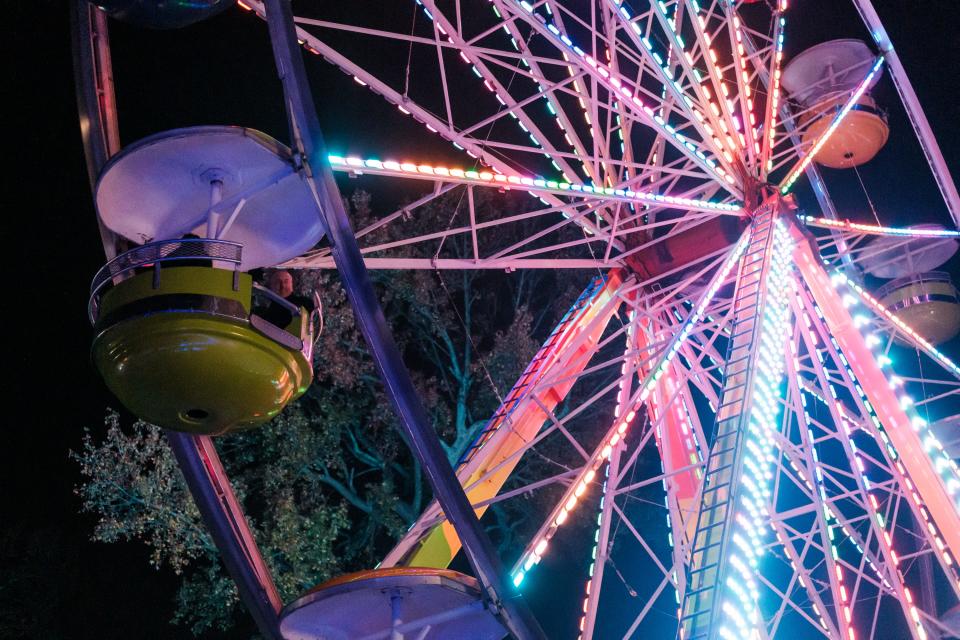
<point x="222" y="73"/>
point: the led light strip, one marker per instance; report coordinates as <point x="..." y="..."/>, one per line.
<point x="880" y="310"/>
<point x="740" y="591"/>
<point x="593" y="553"/>
<point x="833" y="520"/>
<point x="773" y="102"/>
<point x="535" y="186"/>
<point x="552" y="108"/>
<point x="944" y="466"/>
<point x="622" y="400"/>
<point x="825" y="136"/>
<point x="886" y="539"/>
<point x="488" y="81"/>
<point x="700" y="26"/>
<point x="618" y="87"/>
<point x="829" y="516"/>
<point x="873" y="504"/>
<point x="663" y="63"/>
<point x="690" y="444"/>
<point x="858" y="227"/>
<point x="746" y="96"/>
<point x="728" y="146"/>
<point x="587" y="170"/>
<point x="848" y="422"/>
<point x="535" y="550"/>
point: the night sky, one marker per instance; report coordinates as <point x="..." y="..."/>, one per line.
<point x="222" y="73"/>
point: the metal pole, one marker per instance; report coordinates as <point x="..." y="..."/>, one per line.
<point x="308" y="140"/>
<point x="96" y="105"/>
<point x="224" y="519"/>
<point x="914" y="111"/>
<point x="396" y="615"/>
<point x="603" y="544"/>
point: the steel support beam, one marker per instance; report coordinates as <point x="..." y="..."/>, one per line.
<point x="911" y="103"/>
<point x="96" y="104"/>
<point x="725" y="544"/>
<point x="223" y="517"/>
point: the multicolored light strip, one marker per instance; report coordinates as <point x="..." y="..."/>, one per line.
<point x="740" y="595"/>
<point x="859" y="227"/>
<point x="534" y="552"/>
<point x="535" y="186"/>
<point x="825" y="136"/>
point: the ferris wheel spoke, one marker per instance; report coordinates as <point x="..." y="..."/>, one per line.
<point x="407" y="106"/>
<point x="715" y="127"/>
<point x="896" y="472"/>
<point x="742" y="71"/>
<point x="626" y="90"/>
<point x="707" y="24"/>
<point x="773" y="107"/>
<point x="588" y="102"/>
<point x="562" y="119"/>
<point x="796" y="559"/>
<point x="603" y="544"/>
<point x="689" y="106"/>
<point x="500" y="90"/>
<point x="833" y="503"/>
<point x="808" y="464"/>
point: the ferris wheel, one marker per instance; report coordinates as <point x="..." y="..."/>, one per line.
<point x="780" y="454"/>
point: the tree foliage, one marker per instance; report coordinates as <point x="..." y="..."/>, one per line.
<point x="329" y="485"/>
